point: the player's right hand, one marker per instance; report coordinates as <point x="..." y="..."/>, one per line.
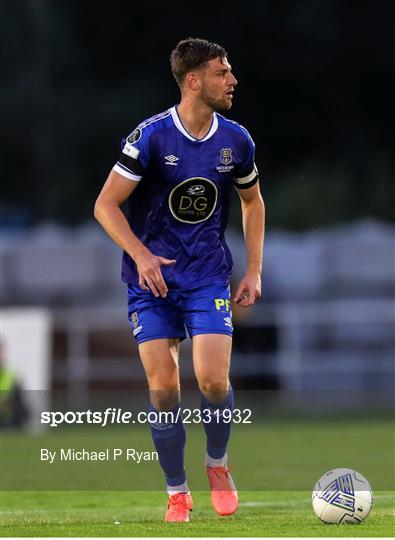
<point x="150" y="275"/>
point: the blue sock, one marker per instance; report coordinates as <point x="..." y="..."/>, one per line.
<point x="218" y="430"/>
<point x="169" y="440"/>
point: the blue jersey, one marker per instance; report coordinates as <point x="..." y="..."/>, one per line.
<point x="180" y="208"/>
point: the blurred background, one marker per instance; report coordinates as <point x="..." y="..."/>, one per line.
<point x="316" y="91"/>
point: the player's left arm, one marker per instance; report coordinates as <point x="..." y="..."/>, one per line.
<point x="253" y="214"/>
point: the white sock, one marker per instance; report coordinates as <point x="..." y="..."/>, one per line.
<point x="182" y="488"/>
<point x="212" y="462"/>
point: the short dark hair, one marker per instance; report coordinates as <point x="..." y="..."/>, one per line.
<point x="193" y="53"/>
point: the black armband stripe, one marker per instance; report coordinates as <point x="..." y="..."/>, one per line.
<point x="249" y="184"/>
<point x="132" y="164"/>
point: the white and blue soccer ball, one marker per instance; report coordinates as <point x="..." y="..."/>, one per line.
<point x="342" y="496"/>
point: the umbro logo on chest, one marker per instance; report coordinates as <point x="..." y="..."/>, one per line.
<point x="171" y="160"/>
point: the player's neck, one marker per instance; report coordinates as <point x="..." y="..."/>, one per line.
<point x="195" y="117"/>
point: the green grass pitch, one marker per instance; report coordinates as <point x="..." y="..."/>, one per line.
<point x="141" y="514"/>
<point x="288" y="454"/>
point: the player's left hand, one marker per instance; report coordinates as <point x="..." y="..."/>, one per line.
<point x="249" y="290"/>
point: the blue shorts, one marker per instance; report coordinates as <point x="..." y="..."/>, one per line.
<point x="204" y="310"/>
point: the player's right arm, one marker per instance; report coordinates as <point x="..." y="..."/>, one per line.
<point x="108" y="213"/>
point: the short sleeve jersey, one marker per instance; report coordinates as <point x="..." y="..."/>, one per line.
<point x="179" y="210"/>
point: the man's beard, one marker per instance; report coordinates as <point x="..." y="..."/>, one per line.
<point x="218" y="105"/>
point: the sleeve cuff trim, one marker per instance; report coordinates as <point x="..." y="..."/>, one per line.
<point x="122" y="170"/>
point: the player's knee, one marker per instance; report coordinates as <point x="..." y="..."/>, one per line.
<point x="165" y="399"/>
<point x="214" y="389"/>
<point x="163" y="379"/>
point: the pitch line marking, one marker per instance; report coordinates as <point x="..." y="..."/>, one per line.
<point x="297" y="503"/>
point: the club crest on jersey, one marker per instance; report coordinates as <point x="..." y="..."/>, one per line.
<point x="134" y="136"/>
<point x="225" y="156"/>
<point x="135" y="319"/>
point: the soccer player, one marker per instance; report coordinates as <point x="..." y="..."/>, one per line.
<point x="177" y="171"/>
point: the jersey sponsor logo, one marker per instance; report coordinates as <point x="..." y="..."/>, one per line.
<point x="222" y="304"/>
<point x="194" y="200"/>
<point x="225" y="156"/>
<point x="196" y="190"/>
<point x="134" y="136"/>
<point x="171" y="160"/>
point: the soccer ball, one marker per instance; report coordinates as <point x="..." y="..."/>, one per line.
<point x="342" y="496"/>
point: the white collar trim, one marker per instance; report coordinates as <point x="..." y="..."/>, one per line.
<point x="180" y="127"/>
